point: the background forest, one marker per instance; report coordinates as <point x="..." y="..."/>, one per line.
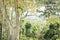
<point x="29" y="19"/>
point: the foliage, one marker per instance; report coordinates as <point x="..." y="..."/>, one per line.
<point x="12" y="23"/>
<point x="53" y="32"/>
<point x="28" y="27"/>
<point x="5" y="35"/>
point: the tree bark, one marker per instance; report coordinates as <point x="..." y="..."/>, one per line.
<point x="15" y="28"/>
<point x="0" y="24"/>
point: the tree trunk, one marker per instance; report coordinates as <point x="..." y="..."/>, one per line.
<point x="0" y="24"/>
<point x="12" y="24"/>
<point x="15" y="28"/>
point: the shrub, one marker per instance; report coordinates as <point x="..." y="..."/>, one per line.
<point x="53" y="32"/>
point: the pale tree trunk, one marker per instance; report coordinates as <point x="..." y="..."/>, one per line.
<point x="15" y="22"/>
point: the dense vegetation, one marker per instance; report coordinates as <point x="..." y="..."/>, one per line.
<point x="51" y="31"/>
<point x="29" y="19"/>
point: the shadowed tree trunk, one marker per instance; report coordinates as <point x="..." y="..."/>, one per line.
<point x="0" y="24"/>
<point x="5" y="21"/>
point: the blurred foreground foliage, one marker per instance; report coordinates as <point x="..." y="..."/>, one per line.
<point x="50" y="31"/>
